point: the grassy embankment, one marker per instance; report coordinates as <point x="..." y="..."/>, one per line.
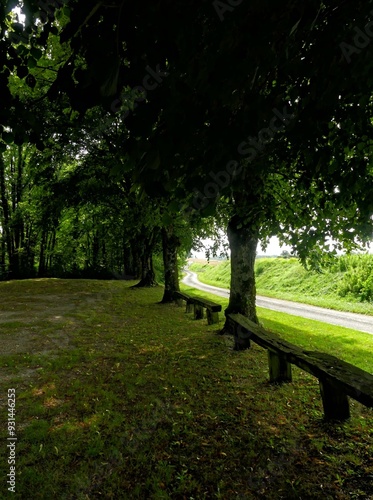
<point x="347" y="285"/>
<point x="119" y="396"/>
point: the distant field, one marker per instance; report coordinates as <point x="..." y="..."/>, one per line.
<point x="204" y="261"/>
<point x="346" y="284"/>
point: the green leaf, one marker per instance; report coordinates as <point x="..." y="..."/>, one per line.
<point x="36" y="53"/>
<point x="66" y="11"/>
<point x="31" y="81"/>
<point x="294" y="28"/>
<point x="209" y="210"/>
<point x="18" y="27"/>
<point x="21" y="50"/>
<point x="174" y="207"/>
<point x="153" y="160"/>
<point x="167" y="219"/>
<point x="31" y="63"/>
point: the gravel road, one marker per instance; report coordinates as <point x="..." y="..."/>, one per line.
<point x="348" y="320"/>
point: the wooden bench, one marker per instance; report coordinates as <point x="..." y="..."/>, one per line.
<point x="197" y="305"/>
<point x="337" y="379"/>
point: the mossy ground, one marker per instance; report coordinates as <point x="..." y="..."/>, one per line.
<point x="118" y="396"/>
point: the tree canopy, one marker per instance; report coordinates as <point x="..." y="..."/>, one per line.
<point x="137" y="123"/>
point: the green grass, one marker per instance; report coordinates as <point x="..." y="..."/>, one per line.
<point x="350" y="345"/>
<point x="288" y="279"/>
<point x="119" y="396"/>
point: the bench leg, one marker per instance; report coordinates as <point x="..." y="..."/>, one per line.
<point x="212" y="317"/>
<point x="189" y="307"/>
<point x="279" y="368"/>
<point x="241" y="339"/>
<point x="334" y="400"/>
<point x="198" y="311"/>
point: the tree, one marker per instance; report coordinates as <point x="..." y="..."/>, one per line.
<point x="17" y="220"/>
<point x="227" y="81"/>
<point x="170" y="244"/>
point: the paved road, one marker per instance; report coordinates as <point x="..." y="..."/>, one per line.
<point x="348" y="320"/>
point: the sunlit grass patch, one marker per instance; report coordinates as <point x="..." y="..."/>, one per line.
<point x="350" y="345"/>
<point x="287" y="279"/>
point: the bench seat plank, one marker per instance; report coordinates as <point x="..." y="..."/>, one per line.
<point x="198" y="304"/>
<point x="206" y="303"/>
<point x="181" y="295"/>
<point x="198" y="300"/>
<point x="330" y="370"/>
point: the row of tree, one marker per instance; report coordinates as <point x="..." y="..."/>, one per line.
<point x="149" y="123"/>
<point x="73" y="220"/>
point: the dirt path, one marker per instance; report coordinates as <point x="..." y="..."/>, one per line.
<point x="34" y="323"/>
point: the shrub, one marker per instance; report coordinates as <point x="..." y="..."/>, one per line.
<point x="358" y="279"/>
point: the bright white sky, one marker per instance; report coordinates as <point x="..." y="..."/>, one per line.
<point x="273" y="248"/>
<point x="21" y="17"/>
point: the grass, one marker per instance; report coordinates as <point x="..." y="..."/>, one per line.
<point x="288" y="279"/>
<point x="350" y="345"/>
<point x="119" y="396"/>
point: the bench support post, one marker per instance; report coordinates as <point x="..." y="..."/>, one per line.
<point x="334" y="400"/>
<point x="279" y="368"/>
<point x="241" y="338"/>
<point x="198" y="311"/>
<point x="212" y="317"/>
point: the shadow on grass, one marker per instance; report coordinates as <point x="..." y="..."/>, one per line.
<point x="152" y="404"/>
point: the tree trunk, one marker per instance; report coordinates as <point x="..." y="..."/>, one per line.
<point x="29" y="257"/>
<point x="95" y="251"/>
<point x="147" y="269"/>
<point x="243" y="242"/>
<point x="2" y="257"/>
<point x="170" y="244"/>
<point x="50" y="247"/>
<point x="6" y="215"/>
<point x="132" y="261"/>
<point x="18" y="226"/>
<point x="147" y="273"/>
<point x="42" y="262"/>
<point x="14" y="264"/>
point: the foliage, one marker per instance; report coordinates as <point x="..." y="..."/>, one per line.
<point x="358" y="279"/>
<point x="307" y="179"/>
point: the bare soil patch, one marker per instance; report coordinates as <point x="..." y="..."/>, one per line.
<point x="35" y="322"/>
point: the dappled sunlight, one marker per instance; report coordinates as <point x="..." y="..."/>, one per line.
<point x="70" y="426"/>
<point x="42" y="390"/>
<point x="53" y="402"/>
<point x="177" y="392"/>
